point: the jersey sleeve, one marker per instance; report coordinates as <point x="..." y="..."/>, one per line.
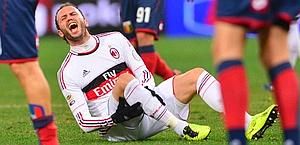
<point x="79" y="108"/>
<point x="135" y="62"/>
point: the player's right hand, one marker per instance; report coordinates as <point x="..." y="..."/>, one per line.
<point x="126" y="112"/>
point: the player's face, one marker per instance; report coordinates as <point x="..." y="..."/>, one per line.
<point x="72" y="24"/>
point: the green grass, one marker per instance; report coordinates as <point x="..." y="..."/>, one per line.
<point x="183" y="54"/>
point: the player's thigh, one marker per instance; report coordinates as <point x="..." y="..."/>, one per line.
<point x="165" y="91"/>
<point x="273" y="45"/>
<point x="274" y="40"/>
<point x="228" y="42"/>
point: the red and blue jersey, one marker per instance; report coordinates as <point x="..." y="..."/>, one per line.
<point x="141" y="16"/>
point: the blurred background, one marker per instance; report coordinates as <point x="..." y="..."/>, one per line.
<point x="182" y="17"/>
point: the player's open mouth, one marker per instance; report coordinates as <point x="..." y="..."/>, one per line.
<point x="73" y="26"/>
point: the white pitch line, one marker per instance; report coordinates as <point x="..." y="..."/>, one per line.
<point x="16" y="106"/>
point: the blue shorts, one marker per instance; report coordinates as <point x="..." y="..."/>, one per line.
<point x="256" y="14"/>
<point x="141" y="16"/>
<point x="18" y="34"/>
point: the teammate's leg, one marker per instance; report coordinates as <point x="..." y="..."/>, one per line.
<point x="228" y="52"/>
<point x="274" y="55"/>
<point x="38" y="95"/>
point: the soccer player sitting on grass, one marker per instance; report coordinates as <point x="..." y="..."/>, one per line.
<point x="108" y="88"/>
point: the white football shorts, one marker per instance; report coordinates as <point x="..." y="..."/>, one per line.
<point x="144" y="126"/>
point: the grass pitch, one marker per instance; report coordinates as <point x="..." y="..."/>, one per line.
<point x="183" y="54"/>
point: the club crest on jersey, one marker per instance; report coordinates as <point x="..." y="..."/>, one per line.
<point x="114" y="53"/>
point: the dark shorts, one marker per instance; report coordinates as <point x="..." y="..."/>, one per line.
<point x="18" y="34"/>
<point x="141" y="16"/>
<point x="256" y="14"/>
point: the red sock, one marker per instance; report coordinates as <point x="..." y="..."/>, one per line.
<point x="232" y="77"/>
<point x="48" y="134"/>
<point x="162" y="69"/>
<point x="150" y="61"/>
<point x="285" y="83"/>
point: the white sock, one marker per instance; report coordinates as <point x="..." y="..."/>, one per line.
<point x="209" y="90"/>
<point x="177" y="125"/>
<point x="134" y="92"/>
<point x="247" y="119"/>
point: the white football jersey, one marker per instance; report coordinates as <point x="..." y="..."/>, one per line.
<point x="89" y="73"/>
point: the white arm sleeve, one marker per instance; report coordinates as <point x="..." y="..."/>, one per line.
<point x="135" y="62"/>
<point x="79" y="108"/>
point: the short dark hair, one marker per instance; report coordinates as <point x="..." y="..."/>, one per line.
<point x="62" y="6"/>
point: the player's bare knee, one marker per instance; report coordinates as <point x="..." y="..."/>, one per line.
<point x="124" y="79"/>
<point x="189" y="78"/>
<point x="122" y="82"/>
<point x="195" y="73"/>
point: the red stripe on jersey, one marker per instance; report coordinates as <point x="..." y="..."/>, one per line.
<point x="88" y="125"/>
<point x="93" y="123"/>
<point x="105" y="87"/>
<point x="61" y="73"/>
